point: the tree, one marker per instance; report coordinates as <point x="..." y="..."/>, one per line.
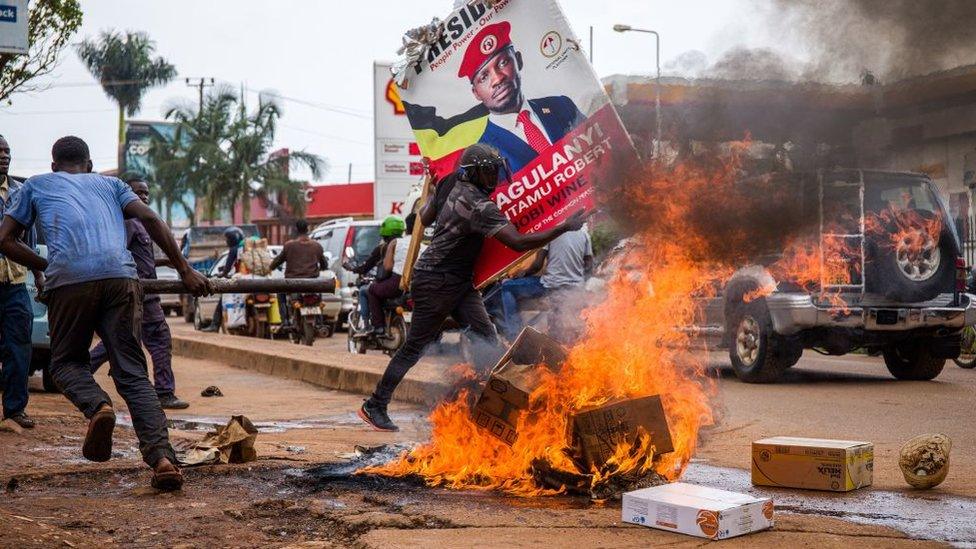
<point x="49" y="27"/>
<point x="225" y="155"/>
<point x="124" y="65"/>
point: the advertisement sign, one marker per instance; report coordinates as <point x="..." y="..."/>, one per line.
<point x="398" y="161"/>
<point x="13" y="26"/>
<point x="136" y="159"/>
<point x="513" y="76"/>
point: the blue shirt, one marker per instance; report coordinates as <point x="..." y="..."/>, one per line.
<point x="83" y="225"/>
<point x="13" y="187"/>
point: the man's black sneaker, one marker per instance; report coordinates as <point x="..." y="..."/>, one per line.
<point x="22" y="419"/>
<point x="377" y="417"/>
<point x="170" y="402"/>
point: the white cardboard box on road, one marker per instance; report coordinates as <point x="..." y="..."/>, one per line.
<point x="697" y="510"/>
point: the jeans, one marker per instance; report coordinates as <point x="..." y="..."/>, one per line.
<point x="364" y="306"/>
<point x="16" y="321"/>
<point x="378" y="292"/>
<point x="111" y="308"/>
<point x="157" y="339"/>
<point x="435" y="297"/>
<point x="505" y="305"/>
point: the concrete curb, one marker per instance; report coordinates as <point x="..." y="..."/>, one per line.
<point x="323" y="373"/>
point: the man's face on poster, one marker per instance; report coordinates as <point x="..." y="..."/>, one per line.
<point x="498" y="84"/>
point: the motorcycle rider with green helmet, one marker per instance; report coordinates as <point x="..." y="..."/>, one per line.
<point x="390" y="255"/>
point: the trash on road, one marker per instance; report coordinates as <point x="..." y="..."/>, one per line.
<point x="212" y="391"/>
<point x="697" y="510"/>
<point x="232" y="443"/>
<point x="924" y="460"/>
<point x="812" y="463"/>
<point x="598" y="431"/>
<point x="514" y="377"/>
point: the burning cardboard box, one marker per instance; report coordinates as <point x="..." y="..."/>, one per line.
<point x="812" y="463"/>
<point x="598" y="432"/>
<point x="697" y="510"/>
<point x="517" y="373"/>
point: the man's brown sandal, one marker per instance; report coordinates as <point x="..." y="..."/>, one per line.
<point x="98" y="440"/>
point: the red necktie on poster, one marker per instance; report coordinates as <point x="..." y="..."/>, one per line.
<point x="537" y="139"/>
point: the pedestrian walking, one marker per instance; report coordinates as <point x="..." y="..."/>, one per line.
<point x="155" y="331"/>
<point x="16" y="313"/>
<point x="443" y="277"/>
<point x="91" y="288"/>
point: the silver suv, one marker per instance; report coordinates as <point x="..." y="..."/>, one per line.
<point x="337" y="235"/>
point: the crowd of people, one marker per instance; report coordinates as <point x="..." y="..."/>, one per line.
<point x="100" y="232"/>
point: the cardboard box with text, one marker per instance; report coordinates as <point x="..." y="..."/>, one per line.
<point x="811" y="463"/>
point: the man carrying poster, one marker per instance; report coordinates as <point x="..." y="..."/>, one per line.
<point x="519" y="129"/>
<point x="442" y="278"/>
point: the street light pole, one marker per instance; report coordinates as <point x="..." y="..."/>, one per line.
<point x="657" y="81"/>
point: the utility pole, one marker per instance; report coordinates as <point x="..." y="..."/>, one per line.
<point x="200" y="83"/>
<point x="591" y="44"/>
<point x="350" y="173"/>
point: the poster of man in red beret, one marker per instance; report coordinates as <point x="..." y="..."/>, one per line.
<point x="512" y="75"/>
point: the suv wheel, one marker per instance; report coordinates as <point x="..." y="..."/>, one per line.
<point x="913" y="361"/>
<point x="915" y="267"/>
<point x="758" y="354"/>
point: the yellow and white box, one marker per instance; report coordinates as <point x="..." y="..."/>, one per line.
<point x="812" y="463"/>
<point x="697" y="510"/>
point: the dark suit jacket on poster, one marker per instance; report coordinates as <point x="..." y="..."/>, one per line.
<point x="559" y="116"/>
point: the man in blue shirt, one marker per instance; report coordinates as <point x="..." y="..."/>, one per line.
<point x="91" y="287"/>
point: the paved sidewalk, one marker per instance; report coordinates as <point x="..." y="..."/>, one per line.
<point x="326" y="364"/>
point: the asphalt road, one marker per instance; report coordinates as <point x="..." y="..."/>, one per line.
<point x="56" y="497"/>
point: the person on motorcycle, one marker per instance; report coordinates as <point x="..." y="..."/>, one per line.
<point x="302" y="257"/>
<point x="387" y="283"/>
<point x="443" y="276"/>
<point x="234" y="237"/>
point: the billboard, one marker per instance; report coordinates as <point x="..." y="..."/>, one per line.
<point x="397" y="158"/>
<point x="13" y="26"/>
<point x="514" y="77"/>
<point x="136" y="159"/>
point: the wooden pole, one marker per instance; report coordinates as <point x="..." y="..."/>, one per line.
<point x="416" y="239"/>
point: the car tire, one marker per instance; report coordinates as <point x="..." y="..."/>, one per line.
<point x="197" y="317"/>
<point x="913" y="361"/>
<point x="308" y="332"/>
<point x="758" y="354"/>
<point x="188" y="311"/>
<point x="892" y="274"/>
<point x="41" y="360"/>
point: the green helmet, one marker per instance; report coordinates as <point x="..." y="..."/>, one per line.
<point x="392" y="226"/>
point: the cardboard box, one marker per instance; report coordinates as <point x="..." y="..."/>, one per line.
<point x="815" y="464"/>
<point x="697" y="510"/>
<point x="597" y="432"/>
<point x="512" y="380"/>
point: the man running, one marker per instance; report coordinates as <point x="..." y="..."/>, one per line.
<point x="443" y="277"/>
<point x="92" y="287"/>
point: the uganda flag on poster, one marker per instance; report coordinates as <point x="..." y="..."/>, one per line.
<point x="513" y="76"/>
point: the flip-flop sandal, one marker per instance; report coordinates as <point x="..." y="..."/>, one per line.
<point x="98" y="439"/>
<point x="169" y="481"/>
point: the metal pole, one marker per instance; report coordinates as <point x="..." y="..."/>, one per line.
<point x="246" y="285"/>
<point x="591" y="44"/>
<point x="657" y="80"/>
<point x="350" y="173"/>
<point x="200" y="83"/>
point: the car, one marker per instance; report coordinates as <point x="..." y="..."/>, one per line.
<point x="40" y="334"/>
<point x="876" y="293"/>
<point x="171" y="303"/>
<point x="335" y="236"/>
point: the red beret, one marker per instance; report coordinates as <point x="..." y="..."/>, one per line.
<point x="491" y="40"/>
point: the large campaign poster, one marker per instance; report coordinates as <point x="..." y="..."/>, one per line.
<point x="513" y="76"/>
<point x="136" y="160"/>
<point x="399" y="165"/>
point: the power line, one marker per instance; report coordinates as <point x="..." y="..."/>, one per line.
<point x="325" y="107"/>
<point x="324" y="135"/>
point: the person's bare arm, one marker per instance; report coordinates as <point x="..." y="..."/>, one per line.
<point x="278" y="260"/>
<point x="195" y="283"/>
<point x="14" y="248"/>
<point x="536" y="267"/>
<point x="519" y="242"/>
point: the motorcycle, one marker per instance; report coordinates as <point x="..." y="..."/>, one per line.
<point x="306" y="315"/>
<point x="396" y="312"/>
<point x="259" y="314"/>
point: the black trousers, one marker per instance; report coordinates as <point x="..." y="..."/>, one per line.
<point x="435" y="297"/>
<point x="111" y="308"/>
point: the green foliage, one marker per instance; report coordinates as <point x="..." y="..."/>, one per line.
<point x="50" y="26"/>
<point x="222" y="153"/>
<point x="124" y="65"/>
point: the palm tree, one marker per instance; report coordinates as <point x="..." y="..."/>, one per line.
<point x="124" y="65"/>
<point x="225" y="155"/>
